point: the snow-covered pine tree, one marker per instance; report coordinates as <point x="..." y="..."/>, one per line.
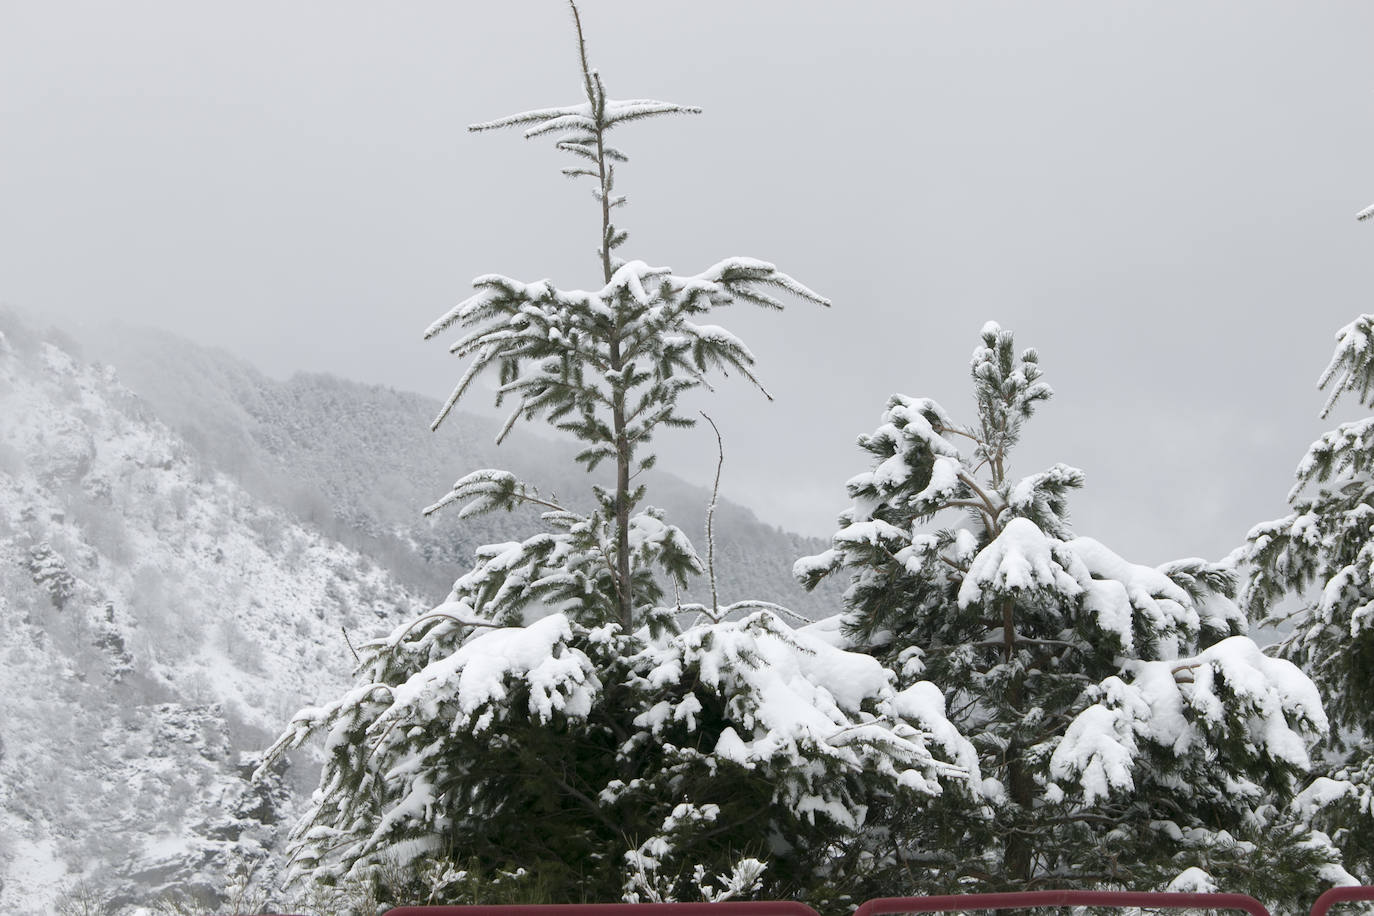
<point x="1322" y="555"/>
<point x="550" y="723"/>
<point x="1126" y="731"/>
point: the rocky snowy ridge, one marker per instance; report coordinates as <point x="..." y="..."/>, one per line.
<point x="157" y="625"/>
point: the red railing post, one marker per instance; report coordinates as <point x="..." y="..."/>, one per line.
<point x="1340" y="895"/>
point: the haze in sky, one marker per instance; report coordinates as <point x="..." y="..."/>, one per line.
<point x="1158" y="197"/>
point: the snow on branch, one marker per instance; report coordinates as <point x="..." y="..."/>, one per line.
<point x="584" y="116"/>
<point x="1352" y="363"/>
<point x="1022" y="559"/>
<point x="488" y="490"/>
<point x="1229" y="693"/>
<point x="794" y="697"/>
<point x="571" y="351"/>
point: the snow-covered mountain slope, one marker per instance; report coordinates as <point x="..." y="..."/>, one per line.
<point x="158" y="622"/>
<point x="361" y="461"/>
<point x="181" y="569"/>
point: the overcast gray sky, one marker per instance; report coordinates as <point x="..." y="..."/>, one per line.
<point x="1159" y="197"/>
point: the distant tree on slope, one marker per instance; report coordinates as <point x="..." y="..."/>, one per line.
<point x="551" y="722"/>
<point x="1127" y="733"/>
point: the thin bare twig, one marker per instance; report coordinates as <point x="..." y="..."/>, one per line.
<point x="710" y="517"/>
<point x="1182" y="674"/>
<point x="437" y="614"/>
<point x="356" y="659"/>
<point x="750" y="603"/>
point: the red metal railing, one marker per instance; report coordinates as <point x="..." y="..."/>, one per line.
<point x="890" y="906"/>
<point x="728" y="908"/>
<point x="884" y="906"/>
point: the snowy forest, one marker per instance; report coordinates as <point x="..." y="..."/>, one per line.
<point x="574" y="678"/>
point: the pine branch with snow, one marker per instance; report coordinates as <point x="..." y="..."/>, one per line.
<point x="1352" y="364"/>
<point x="581" y="131"/>
<point x="1321" y="554"/>
<point x="608" y="365"/>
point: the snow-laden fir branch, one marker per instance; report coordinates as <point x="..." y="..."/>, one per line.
<point x="1352" y="364"/>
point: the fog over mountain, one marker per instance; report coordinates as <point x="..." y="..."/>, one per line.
<point x="360" y="460"/>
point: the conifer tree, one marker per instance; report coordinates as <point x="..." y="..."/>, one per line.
<point x="1322" y="554"/>
<point x="1126" y="731"/>
<point x="551" y="724"/>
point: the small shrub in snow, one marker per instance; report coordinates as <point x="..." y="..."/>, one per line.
<point x="49" y="572"/>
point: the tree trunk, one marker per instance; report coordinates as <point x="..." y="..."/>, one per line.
<point x="624" y="593"/>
